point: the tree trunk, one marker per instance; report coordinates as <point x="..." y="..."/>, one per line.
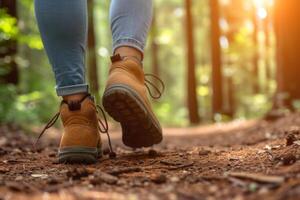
<point x="255" y="53"/>
<point x="217" y="90"/>
<point x="92" y="59"/>
<point x="8" y="49"/>
<point x="266" y="26"/>
<point x="231" y="97"/>
<point x="287" y="29"/>
<point x="191" y="75"/>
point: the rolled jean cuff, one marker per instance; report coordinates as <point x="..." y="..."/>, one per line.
<point x="129" y="42"/>
<point x="72" y="89"/>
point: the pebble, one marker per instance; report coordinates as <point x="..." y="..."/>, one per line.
<point x="203" y="152"/>
<point x="290" y="138"/>
<point x="152" y="153"/>
<point x="288" y="159"/>
<point x="19" y="178"/>
<point x="159" y="179"/>
<point x="77" y="173"/>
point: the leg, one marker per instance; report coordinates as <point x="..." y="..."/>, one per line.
<point x="63" y="28"/>
<point x="130" y="21"/>
<point x="125" y="97"/>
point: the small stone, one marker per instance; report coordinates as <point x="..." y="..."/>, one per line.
<point x="213" y="189"/>
<point x="52" y="154"/>
<point x="55" y="162"/>
<point x="91" y="170"/>
<point x="234" y="159"/>
<point x="288" y="159"/>
<point x="122" y="182"/>
<point x="3" y="170"/>
<point x="297" y="142"/>
<point x="203" y="152"/>
<point x="174" y="179"/>
<point x="152" y="153"/>
<point x="43" y="176"/>
<point x="159" y="179"/>
<point x="2" y="151"/>
<point x="52" y="181"/>
<point x="77" y="173"/>
<point x="106" y="151"/>
<point x="253" y="187"/>
<point x="19" y="178"/>
<point x="290" y="138"/>
<point x="112" y="155"/>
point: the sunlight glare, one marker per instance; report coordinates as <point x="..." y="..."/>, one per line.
<point x="224" y="42"/>
<point x="258" y="3"/>
<point x="262" y="13"/>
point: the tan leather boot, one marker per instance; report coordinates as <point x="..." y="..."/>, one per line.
<point x="125" y="99"/>
<point x="81" y="142"/>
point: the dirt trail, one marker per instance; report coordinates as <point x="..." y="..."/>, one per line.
<point x="239" y="160"/>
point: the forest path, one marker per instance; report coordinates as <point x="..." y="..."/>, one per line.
<point x="238" y="160"/>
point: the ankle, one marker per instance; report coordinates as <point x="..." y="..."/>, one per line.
<point x="129" y="52"/>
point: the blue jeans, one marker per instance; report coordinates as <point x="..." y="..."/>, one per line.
<point x="63" y="28"/>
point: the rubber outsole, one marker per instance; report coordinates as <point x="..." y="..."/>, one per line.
<point x="139" y="128"/>
<point x="83" y="155"/>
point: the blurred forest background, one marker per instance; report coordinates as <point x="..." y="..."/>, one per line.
<point x="220" y="60"/>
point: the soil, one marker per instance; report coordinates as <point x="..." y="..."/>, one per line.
<point x="239" y="160"/>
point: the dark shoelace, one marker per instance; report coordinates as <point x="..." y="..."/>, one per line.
<point x="48" y="125"/>
<point x="158" y="91"/>
<point x="103" y="126"/>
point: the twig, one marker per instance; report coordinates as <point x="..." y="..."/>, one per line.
<point x="124" y="170"/>
<point x="165" y="162"/>
<point x="181" y="166"/>
<point x="258" y="177"/>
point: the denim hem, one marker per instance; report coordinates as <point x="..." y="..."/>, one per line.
<point x="72" y="89"/>
<point x="128" y="42"/>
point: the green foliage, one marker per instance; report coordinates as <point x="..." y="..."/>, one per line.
<point x="32" y="41"/>
<point x="9" y="30"/>
<point x="33" y="100"/>
<point x="31" y="108"/>
<point x="8" y="26"/>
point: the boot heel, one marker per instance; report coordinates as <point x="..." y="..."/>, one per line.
<point x="86" y="155"/>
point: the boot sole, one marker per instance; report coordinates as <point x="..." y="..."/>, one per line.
<point x="139" y="128"/>
<point x="82" y="155"/>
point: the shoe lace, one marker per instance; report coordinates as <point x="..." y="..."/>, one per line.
<point x="48" y="125"/>
<point x="103" y="128"/>
<point x="149" y="83"/>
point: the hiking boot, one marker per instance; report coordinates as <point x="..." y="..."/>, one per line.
<point x="125" y="99"/>
<point x="80" y="142"/>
